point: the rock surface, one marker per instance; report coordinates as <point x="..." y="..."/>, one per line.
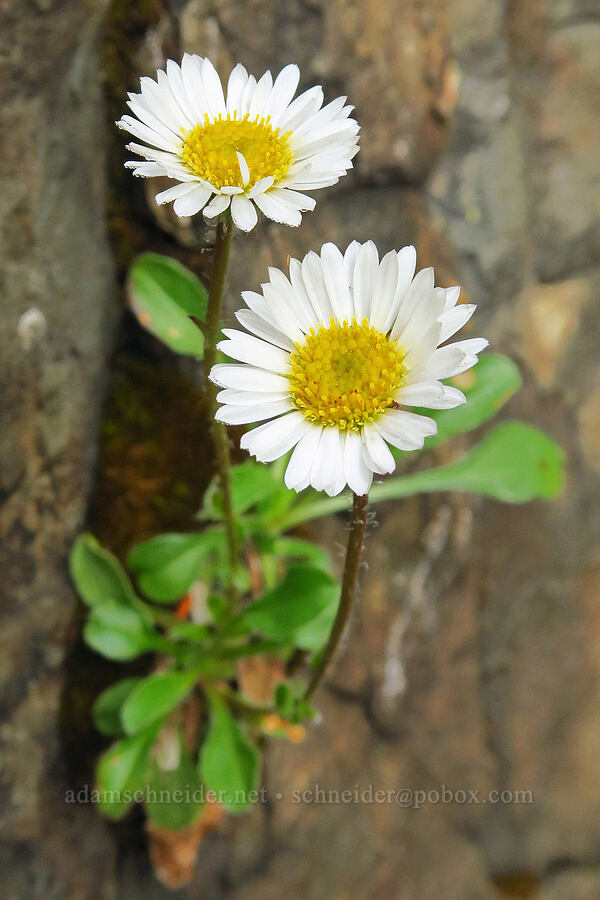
<point x="474" y="663"/>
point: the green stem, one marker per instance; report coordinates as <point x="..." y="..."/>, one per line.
<point x="218" y="430"/>
<point x="358" y="525"/>
<point x="238" y="702"/>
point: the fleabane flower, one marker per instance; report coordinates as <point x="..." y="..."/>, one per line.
<point x="255" y="147"/>
<point x="335" y="355"/>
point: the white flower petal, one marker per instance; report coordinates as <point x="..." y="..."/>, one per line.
<point x="421" y="287"/>
<point x="336" y="282"/>
<point x="358" y="475"/>
<point x="289" y="300"/>
<point x="173" y="193"/>
<point x="243" y="213"/>
<point x="382" y="311"/>
<point x="282" y="92"/>
<point x="191" y="72"/>
<point x="244" y="170"/>
<point x="262" y="185"/>
<point x="242" y="415"/>
<point x="260" y="96"/>
<point x="312" y="275"/>
<point x="350" y="258"/>
<point x="283" y="315"/>
<point x="247" y="95"/>
<point x="293" y="199"/>
<point x="301" y="294"/>
<point x="213" y="90"/>
<point x="453" y="319"/>
<point x="301" y="461"/>
<point x="216" y="206"/>
<point x="277" y="210"/>
<point x="144" y="133"/>
<point x="235" y="89"/>
<point x="365" y="272"/>
<point x="443" y="363"/>
<point x="376" y="453"/>
<point x="262" y="329"/>
<point x="421" y="346"/>
<point x="247" y="377"/>
<point x="177" y="86"/>
<point x="405" y="430"/>
<point x="249" y="398"/>
<point x="326" y="461"/>
<point x="192" y="202"/>
<point x="145" y="169"/>
<point x="407" y="263"/>
<point x="452" y="295"/>
<point x="425" y="393"/>
<point x="301" y="108"/>
<point x="472" y="346"/>
<point x="432" y="394"/>
<point x="248" y="349"/>
<point x="270" y="441"/>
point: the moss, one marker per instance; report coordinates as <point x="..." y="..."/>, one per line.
<point x="155" y="456"/>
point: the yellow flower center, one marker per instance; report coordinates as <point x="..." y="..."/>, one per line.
<point x="345" y="375"/>
<point x="210" y="150"/>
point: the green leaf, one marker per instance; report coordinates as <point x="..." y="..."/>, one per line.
<point x="189" y="631"/>
<point x="107" y="706"/>
<point x="490" y="384"/>
<point x="316" y="632"/>
<point x="119" y="632"/>
<point x="514" y="463"/>
<point x="285" y="700"/>
<point x="97" y="574"/>
<point x="296" y="548"/>
<point x="288" y="611"/>
<point x="163" y="295"/>
<point x="154" y="697"/>
<point x="251" y="483"/>
<point x="290" y="703"/>
<point x="229" y="763"/>
<point x="167" y="565"/>
<point x="174" y="797"/>
<point x="121" y="772"/>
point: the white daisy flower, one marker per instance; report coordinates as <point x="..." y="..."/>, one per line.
<point x="334" y="356"/>
<point x="254" y="146"/>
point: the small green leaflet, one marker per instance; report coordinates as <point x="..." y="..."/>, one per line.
<point x="299" y="610"/>
<point x="107" y="707"/>
<point x="251" y="483"/>
<point x="229" y="763"/>
<point x="119" y="632"/>
<point x="154" y="697"/>
<point x="514" y="463"/>
<point x="174" y="798"/>
<point x="495" y="379"/>
<point x="167" y="565"/>
<point x="97" y="574"/>
<point x="163" y="295"/>
<point x="121" y="772"/>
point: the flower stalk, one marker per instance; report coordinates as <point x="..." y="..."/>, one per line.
<point x="354" y="550"/>
<point x="218" y="431"/>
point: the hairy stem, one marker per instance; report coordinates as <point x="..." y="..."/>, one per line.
<point x="218" y="430"/>
<point x="358" y="525"/>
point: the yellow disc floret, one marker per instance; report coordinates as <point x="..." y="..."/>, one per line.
<point x="210" y="150"/>
<point x="345" y="375"/>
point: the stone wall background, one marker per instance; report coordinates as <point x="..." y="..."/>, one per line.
<point x="474" y="661"/>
